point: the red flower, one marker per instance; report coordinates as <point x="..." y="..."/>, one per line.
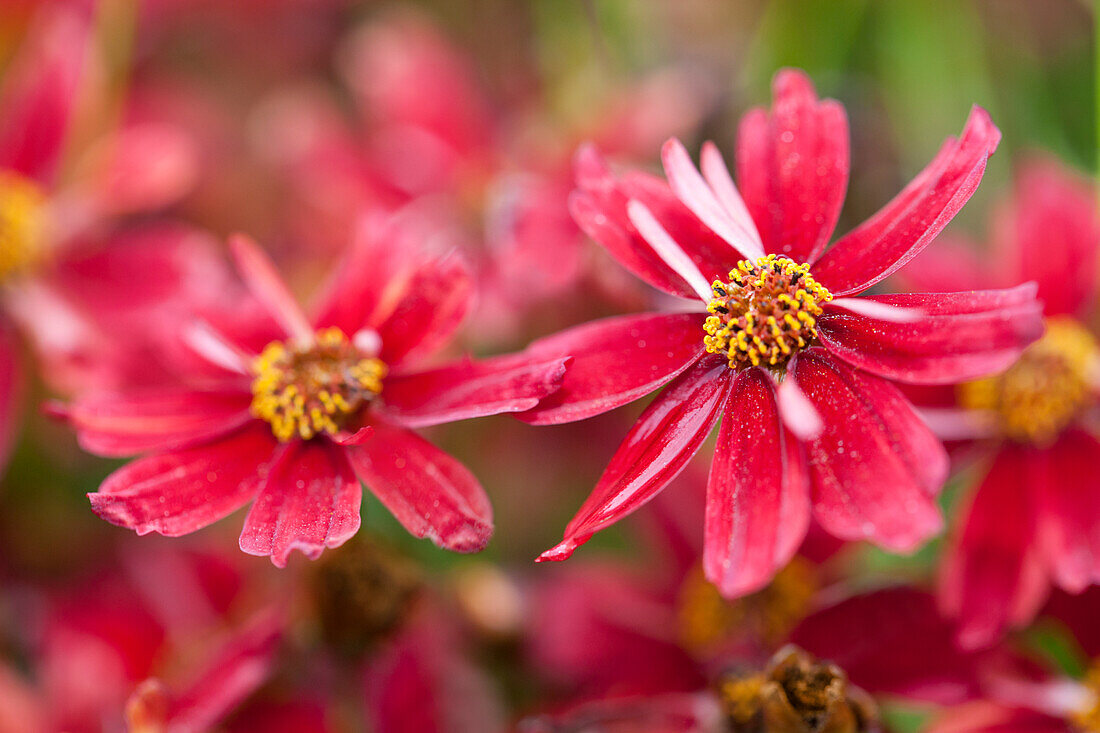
<point x="793" y="366"/>
<point x="1034" y="518"/>
<point x="328" y="404"/>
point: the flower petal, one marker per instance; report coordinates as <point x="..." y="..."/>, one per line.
<point x="11" y="392"/>
<point x="793" y="167"/>
<point x="905" y="226"/>
<point x="615" y="361"/>
<point x="667" y="248"/>
<point x="155" y="420"/>
<point x="1068" y="491"/>
<point x="961" y="336"/>
<point x="758" y="495"/>
<point x="893" y="641"/>
<point x="876" y="467"/>
<point x="426" y="489"/>
<point x="467" y="389"/>
<point x="653" y="453"/>
<point x="992" y="577"/>
<point x="267" y="286"/>
<point x="309" y="501"/>
<point x="180" y="492"/>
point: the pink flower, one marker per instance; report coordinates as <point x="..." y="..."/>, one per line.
<point x="779" y="349"/>
<point x="296" y="425"/>
<point x="1034" y="517"/>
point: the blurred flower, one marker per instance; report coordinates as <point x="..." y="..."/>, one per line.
<point x="796" y="366"/>
<point x="1034" y="517"/>
<point x="325" y="404"/>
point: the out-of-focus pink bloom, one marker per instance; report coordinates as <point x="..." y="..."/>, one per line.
<point x="1034" y="517"/>
<point x="297" y="424"/>
<point x="792" y="364"/>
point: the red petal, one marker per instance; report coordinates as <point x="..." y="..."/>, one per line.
<point x="40" y="92"/>
<point x="961" y="336"/>
<point x="893" y="641"/>
<point x="421" y="314"/>
<point x="955" y="264"/>
<point x="266" y="285"/>
<point x="466" y="389"/>
<point x="1068" y="491"/>
<point x="599" y="208"/>
<point x="876" y="467"/>
<point x="156" y="420"/>
<point x="615" y="361"/>
<point x="177" y="493"/>
<point x="427" y="490"/>
<point x="758" y="496"/>
<point x="906" y="225"/>
<point x="239" y="668"/>
<point x="992" y="578"/>
<point x="653" y="453"/>
<point x="309" y="501"/>
<point x="1051" y="234"/>
<point x="11" y="392"/>
<point x="792" y="167"/>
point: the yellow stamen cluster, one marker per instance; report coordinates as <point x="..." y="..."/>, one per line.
<point x="1043" y="392"/>
<point x="313" y="388"/>
<point x="765" y="313"/>
<point x="1088" y="719"/>
<point x="22" y="222"/>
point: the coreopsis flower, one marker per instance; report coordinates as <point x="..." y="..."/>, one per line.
<point x="297" y="424"/>
<point x="775" y="344"/>
<point x="1034" y="516"/>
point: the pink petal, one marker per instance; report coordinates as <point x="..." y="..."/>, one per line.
<point x="309" y="501"/>
<point x="177" y="493"/>
<point x="468" y="389"/>
<point x="667" y="249"/>
<point x="615" y="361"/>
<point x="797" y="412"/>
<point x="1067" y="485"/>
<point x="40" y="91"/>
<point x="238" y="669"/>
<point x="263" y="281"/>
<point x="421" y="316"/>
<point x="144" y="167"/>
<point x="156" y="420"/>
<point x="427" y="490"/>
<point x="953" y="265"/>
<point x="992" y="577"/>
<point x="961" y="336"/>
<point x="876" y="467"/>
<point x="1050" y="233"/>
<point x="721" y="182"/>
<point x="656" y="449"/>
<point x="893" y="641"/>
<point x="792" y="165"/>
<point x="758" y="496"/>
<point x="599" y="206"/>
<point x="906" y="225"/>
<point x="696" y="193"/>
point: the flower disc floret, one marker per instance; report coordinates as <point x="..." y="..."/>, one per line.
<point x="304" y="390"/>
<point x="22" y="222"/>
<point x="765" y="313"/>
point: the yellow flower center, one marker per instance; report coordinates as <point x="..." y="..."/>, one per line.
<point x="1043" y="392"/>
<point x="313" y="388"/>
<point x="765" y="313"/>
<point x="22" y="222"/>
<point x="1088" y="719"/>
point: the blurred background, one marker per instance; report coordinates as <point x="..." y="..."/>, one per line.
<point x="287" y="119"/>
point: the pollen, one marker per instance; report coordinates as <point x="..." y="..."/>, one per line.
<point x="1046" y="390"/>
<point x="1088" y="718"/>
<point x="765" y="313"/>
<point x="303" y="391"/>
<point x="22" y="222"/>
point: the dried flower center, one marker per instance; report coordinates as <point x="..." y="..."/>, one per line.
<point x="765" y="313"/>
<point x="1043" y="392"/>
<point x="1088" y="719"/>
<point x="796" y="693"/>
<point x="313" y="388"/>
<point x="22" y="222"/>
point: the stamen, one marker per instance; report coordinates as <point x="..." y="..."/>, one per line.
<point x="1043" y="392"/>
<point x="22" y="222"/>
<point x="765" y="313"/>
<point x="306" y="389"/>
